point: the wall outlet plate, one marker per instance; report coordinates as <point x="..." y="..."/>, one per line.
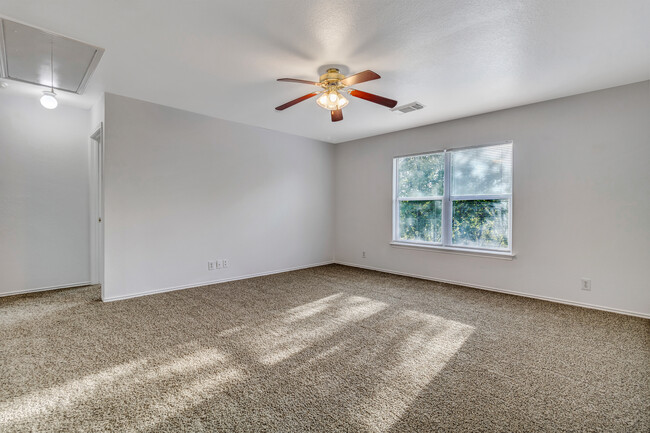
<point x="218" y="264"/>
<point x="211" y="266"/>
<point x="585" y="284"/>
<point x="225" y="263"/>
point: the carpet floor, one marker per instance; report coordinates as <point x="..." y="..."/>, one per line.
<point x="324" y="349"/>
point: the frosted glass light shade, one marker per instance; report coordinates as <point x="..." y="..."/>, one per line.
<point x="48" y="100"/>
<point x="332" y="100"/>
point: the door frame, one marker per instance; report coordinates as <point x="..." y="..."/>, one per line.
<point x="97" y="207"/>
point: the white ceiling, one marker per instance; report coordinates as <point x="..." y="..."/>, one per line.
<point x="458" y="58"/>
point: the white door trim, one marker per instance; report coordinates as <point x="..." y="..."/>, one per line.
<point x="97" y="207"/>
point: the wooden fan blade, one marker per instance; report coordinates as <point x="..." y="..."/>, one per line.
<point x="374" y="98"/>
<point x="337" y="115"/>
<point x="361" y="77"/>
<point x="294" y="80"/>
<point x="295" y="101"/>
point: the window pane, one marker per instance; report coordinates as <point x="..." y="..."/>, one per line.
<point x="420" y="221"/>
<point x="480" y="223"/>
<point x="421" y="176"/>
<point x="482" y="170"/>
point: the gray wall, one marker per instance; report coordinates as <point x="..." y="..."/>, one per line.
<point x="182" y="189"/>
<point x="44" y="210"/>
<point x="581" y="207"/>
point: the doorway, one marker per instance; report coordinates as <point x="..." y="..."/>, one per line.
<point x="97" y="207"/>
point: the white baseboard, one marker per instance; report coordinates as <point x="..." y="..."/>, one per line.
<point x="42" y="289"/>
<point x="208" y="283"/>
<point x="354" y="265"/>
<point x="494" y="289"/>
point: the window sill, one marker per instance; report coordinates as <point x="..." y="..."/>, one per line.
<point x="501" y="255"/>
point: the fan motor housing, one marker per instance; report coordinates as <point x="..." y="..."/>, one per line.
<point x="332" y="76"/>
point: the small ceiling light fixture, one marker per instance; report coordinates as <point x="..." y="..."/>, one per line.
<point x="48" y="100"/>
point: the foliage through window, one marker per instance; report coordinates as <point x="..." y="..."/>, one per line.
<point x="456" y="198"/>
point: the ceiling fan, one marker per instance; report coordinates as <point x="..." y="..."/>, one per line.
<point x="333" y="84"/>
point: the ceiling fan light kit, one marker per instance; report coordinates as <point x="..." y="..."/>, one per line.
<point x="333" y="83"/>
<point x="332" y="100"/>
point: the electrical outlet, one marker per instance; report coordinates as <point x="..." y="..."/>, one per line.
<point x="219" y="266"/>
<point x="363" y="254"/>
<point x="211" y="266"/>
<point x="585" y="284"/>
<point x="225" y="263"/>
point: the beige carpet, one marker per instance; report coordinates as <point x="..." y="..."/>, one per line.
<point x="325" y="349"/>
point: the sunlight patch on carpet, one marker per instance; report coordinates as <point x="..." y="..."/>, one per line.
<point x="126" y="379"/>
<point x="191" y="394"/>
<point x="292" y="332"/>
<point x="425" y="349"/>
<point x="188" y="364"/>
<point x="65" y="395"/>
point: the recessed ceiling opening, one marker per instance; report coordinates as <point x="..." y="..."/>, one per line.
<point x="29" y="55"/>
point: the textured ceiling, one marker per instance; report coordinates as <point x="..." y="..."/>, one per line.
<point x="458" y="58"/>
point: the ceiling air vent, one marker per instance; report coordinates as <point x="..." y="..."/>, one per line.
<point x="403" y="109"/>
<point x="25" y="56"/>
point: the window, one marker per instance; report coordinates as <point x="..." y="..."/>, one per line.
<point x="456" y="198"/>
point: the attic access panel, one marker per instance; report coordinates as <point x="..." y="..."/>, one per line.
<point x="25" y="56"/>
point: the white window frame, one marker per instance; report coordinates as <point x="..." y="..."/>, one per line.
<point x="447" y="206"/>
